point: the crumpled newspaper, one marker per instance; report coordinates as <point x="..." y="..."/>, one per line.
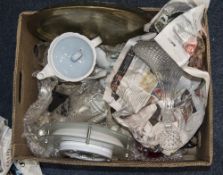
<point x="181" y="37"/>
<point x="170" y="11"/>
<point x="129" y="86"/>
<point x="149" y="119"/>
<point x="5" y="147"/>
<point x="26" y="167"/>
<point x="148" y="128"/>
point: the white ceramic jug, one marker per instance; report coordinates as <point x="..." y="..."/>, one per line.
<point x="71" y="57"/>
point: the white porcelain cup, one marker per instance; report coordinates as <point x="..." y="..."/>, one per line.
<point x="71" y="57"/>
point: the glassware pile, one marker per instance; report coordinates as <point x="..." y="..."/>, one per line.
<point x="145" y="99"/>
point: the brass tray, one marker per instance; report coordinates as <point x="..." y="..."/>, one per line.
<point x="112" y="23"/>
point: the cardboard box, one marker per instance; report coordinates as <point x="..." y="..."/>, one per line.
<point x="25" y="93"/>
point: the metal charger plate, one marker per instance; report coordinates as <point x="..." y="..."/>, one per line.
<point x="85" y="141"/>
<point x="112" y="23"/>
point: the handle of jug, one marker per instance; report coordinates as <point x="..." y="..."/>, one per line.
<point x="96" y="41"/>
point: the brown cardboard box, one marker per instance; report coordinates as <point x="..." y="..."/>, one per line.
<point x="25" y="93"/>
